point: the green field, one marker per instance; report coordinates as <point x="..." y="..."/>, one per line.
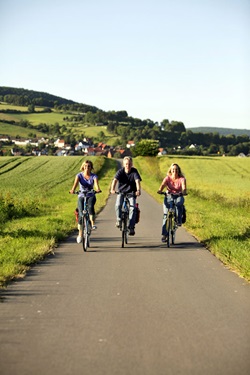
<point x="218" y="203"/>
<point x="36" y="210"/>
<point x="14" y="130"/>
<point x="77" y="129"/>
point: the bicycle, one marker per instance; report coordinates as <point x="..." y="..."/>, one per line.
<point x="124" y="227"/>
<point x="171" y="219"/>
<point x="85" y="222"/>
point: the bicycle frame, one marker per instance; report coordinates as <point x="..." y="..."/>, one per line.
<point x="85" y="224"/>
<point x="171" y="221"/>
<point x="124" y="219"/>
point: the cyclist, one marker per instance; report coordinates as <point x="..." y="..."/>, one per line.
<point x="129" y="182"/>
<point x="86" y="180"/>
<point x="175" y="183"/>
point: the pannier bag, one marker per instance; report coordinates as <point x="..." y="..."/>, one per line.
<point x="137" y="213"/>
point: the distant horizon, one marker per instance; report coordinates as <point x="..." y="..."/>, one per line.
<point x="124" y="109"/>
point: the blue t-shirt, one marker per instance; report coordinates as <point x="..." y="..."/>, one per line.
<point x="127" y="180"/>
<point x="86" y="184"/>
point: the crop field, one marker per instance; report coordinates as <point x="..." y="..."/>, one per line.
<point x="36" y="209"/>
<point x="218" y="202"/>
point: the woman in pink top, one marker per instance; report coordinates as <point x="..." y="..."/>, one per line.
<point x="175" y="184"/>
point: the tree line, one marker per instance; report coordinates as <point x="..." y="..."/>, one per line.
<point x="170" y="135"/>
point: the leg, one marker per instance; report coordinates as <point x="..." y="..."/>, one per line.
<point x="165" y="214"/>
<point x="132" y="202"/>
<point x="118" y="205"/>
<point x="179" y="207"/>
<point x="91" y="206"/>
<point x="80" y="208"/>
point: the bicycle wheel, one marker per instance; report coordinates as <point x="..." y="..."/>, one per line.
<point x="173" y="231"/>
<point x="168" y="228"/>
<point x="85" y="233"/>
<point x="124" y="229"/>
<point x="174" y="227"/>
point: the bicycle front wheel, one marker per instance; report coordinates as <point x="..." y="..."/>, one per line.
<point x="169" y="229"/>
<point x="124" y="230"/>
<point x="85" y="234"/>
<point x="173" y="231"/>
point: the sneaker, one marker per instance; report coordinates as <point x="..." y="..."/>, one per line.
<point x="179" y="224"/>
<point x="164" y="239"/>
<point x="79" y="239"/>
<point x="118" y="224"/>
<point x="94" y="227"/>
<point x="131" y="232"/>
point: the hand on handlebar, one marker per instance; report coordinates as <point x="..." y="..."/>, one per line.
<point x="161" y="192"/>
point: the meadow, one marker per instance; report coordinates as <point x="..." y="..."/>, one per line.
<point x="37" y="212"/>
<point x="77" y="129"/>
<point x="217" y="203"/>
<point x="36" y="209"/>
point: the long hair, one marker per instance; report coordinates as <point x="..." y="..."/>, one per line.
<point x="179" y="172"/>
<point x="87" y="162"/>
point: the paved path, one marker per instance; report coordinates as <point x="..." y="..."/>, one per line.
<point x="145" y="309"/>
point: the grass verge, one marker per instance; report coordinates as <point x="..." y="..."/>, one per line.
<point x="217" y="206"/>
<point x="35" y="218"/>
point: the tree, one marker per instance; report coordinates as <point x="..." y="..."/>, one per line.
<point x="146" y="147"/>
<point x="31" y="108"/>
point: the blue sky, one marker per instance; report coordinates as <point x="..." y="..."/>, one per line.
<point x="184" y="60"/>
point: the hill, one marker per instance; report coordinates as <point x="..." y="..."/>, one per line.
<point x="24" y="97"/>
<point x="221" y="131"/>
<point x="57" y="117"/>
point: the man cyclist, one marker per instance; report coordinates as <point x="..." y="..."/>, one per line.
<point x="129" y="182"/>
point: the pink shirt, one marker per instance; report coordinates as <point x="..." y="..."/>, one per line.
<point x="174" y="186"/>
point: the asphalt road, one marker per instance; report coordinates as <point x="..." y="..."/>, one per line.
<point x="144" y="309"/>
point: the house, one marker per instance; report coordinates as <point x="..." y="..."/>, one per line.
<point x="59" y="143"/>
<point x="130" y="144"/>
<point x="4" y="138"/>
<point x="161" y="151"/>
<point x="110" y="153"/>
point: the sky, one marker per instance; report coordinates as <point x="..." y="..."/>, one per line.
<point x="181" y="60"/>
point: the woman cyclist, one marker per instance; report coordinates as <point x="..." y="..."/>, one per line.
<point x="86" y="181"/>
<point x="175" y="184"/>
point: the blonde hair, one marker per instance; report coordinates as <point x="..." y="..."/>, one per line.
<point x="127" y="158"/>
<point x="86" y="162"/>
<point x="180" y="174"/>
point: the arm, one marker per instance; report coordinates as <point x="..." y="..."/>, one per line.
<point x="162" y="186"/>
<point x="113" y="185"/>
<point x="138" y="187"/>
<point x="96" y="185"/>
<point x="76" y="182"/>
<point x="184" y="187"/>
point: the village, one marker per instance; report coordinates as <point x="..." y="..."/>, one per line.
<point x="44" y="147"/>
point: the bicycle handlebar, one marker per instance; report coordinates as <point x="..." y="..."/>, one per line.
<point x="86" y="192"/>
<point x="168" y="193"/>
<point x="132" y="194"/>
